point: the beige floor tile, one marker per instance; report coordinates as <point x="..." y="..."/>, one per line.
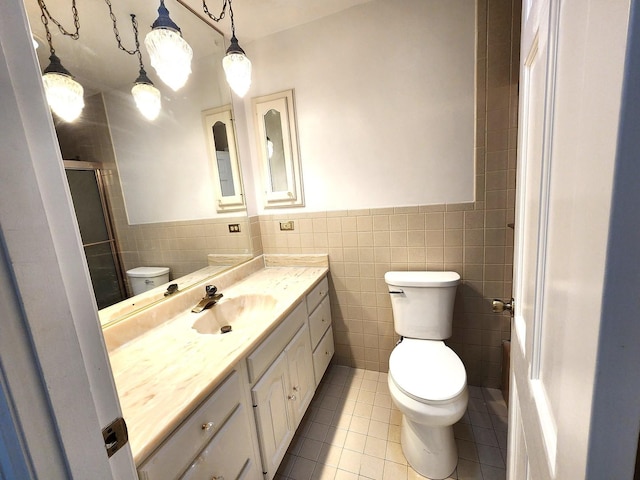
<point x="324" y="472"/>
<point x="330" y="455"/>
<point x="375" y="447"/>
<point x="394" y="433"/>
<point x="394" y="453"/>
<point x="344" y="475"/>
<point x="310" y="449"/>
<point x="394" y="471"/>
<point x="362" y="410"/>
<point x="378" y="429"/>
<point x="336" y="436"/>
<point x="355" y="441"/>
<point x="302" y="469"/>
<point x="381" y="414"/>
<point x="350" y="461"/>
<point x="359" y="425"/>
<point x="372" y="467"/>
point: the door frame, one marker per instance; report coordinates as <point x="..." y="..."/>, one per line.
<point x="62" y="349"/>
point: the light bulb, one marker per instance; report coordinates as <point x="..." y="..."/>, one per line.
<point x="147" y="99"/>
<point x="64" y="94"/>
<point x="237" y="69"/>
<point x="170" y="53"/>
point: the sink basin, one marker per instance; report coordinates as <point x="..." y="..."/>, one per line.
<point x="236" y="312"/>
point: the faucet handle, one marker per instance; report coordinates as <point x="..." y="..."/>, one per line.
<point x="211" y="290"/>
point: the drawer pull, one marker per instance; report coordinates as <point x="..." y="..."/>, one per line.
<point x="291" y="397"/>
<point x="207" y="426"/>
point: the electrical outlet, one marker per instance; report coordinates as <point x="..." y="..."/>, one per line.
<point x="286" y="225"/>
<point x="234" y="228"/>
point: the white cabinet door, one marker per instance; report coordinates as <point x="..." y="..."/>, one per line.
<point x="228" y="455"/>
<point x="274" y="418"/>
<point x="300" y="361"/>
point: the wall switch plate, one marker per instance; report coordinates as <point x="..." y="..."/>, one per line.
<point x="234" y="228"/>
<point x="286" y="225"/>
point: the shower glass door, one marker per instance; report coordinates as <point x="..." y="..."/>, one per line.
<point x="95" y="229"/>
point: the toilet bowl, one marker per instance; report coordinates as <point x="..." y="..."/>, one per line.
<point x="427" y="380"/>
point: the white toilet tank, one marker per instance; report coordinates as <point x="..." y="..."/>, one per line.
<point x="422" y="303"/>
<point x="142" y="279"/>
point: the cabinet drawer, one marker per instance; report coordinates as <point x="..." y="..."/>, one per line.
<point x="322" y="355"/>
<point x="315" y="296"/>
<point x="319" y="321"/>
<point x="228" y="454"/>
<point x="266" y="353"/>
<point x="174" y="455"/>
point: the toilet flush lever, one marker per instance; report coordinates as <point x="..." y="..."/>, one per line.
<point x="396" y="292"/>
<point x="499" y="306"/>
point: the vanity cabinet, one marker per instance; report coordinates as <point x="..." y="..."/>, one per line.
<point x="223" y="438"/>
<point x="211" y="443"/>
<point x="281" y="397"/>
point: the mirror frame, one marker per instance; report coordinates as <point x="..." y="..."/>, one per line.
<point x="224" y="115"/>
<point x="282" y="102"/>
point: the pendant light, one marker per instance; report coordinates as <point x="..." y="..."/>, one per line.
<point x="145" y="94"/>
<point x="170" y="53"/>
<point x="236" y="65"/>
<point x="64" y="95"/>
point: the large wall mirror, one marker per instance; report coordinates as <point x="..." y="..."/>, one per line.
<point x="154" y="182"/>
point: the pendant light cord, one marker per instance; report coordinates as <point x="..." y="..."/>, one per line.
<point x="116" y="32"/>
<point x="222" y="14"/>
<point x="46" y="16"/>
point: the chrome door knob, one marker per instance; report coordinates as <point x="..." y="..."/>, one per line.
<point x="499" y="306"/>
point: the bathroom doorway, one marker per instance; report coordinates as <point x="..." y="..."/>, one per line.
<point x="98" y="241"/>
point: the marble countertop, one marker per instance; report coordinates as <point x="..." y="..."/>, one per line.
<point x="163" y="373"/>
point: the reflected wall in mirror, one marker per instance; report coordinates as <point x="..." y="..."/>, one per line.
<point x="277" y="140"/>
<point x="158" y="179"/>
<point x="221" y="140"/>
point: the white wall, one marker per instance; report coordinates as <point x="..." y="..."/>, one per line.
<point x="384" y="100"/>
<point x="164" y="166"/>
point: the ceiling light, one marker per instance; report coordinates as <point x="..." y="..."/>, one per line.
<point x="236" y="65"/>
<point x="237" y="68"/>
<point x="64" y="94"/>
<point x="170" y="54"/>
<point x="147" y="96"/>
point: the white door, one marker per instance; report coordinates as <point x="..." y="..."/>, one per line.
<point x="55" y="370"/>
<point x="274" y="416"/>
<point x="300" y="360"/>
<point x="571" y="81"/>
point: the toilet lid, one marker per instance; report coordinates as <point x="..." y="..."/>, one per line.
<point x="427" y="370"/>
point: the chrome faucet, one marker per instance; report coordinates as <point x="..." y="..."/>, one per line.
<point x="209" y="300"/>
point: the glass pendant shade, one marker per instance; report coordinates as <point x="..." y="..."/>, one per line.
<point x="170" y="53"/>
<point x="237" y="68"/>
<point x="65" y="96"/>
<point x="147" y="97"/>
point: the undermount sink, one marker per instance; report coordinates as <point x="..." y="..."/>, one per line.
<point x="236" y="312"/>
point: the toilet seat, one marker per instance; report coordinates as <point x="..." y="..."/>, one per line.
<point x="427" y="370"/>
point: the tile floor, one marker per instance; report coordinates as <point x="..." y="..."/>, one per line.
<point x="351" y="431"/>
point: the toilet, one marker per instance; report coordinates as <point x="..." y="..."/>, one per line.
<point x="427" y="380"/>
<point x="143" y="279"/>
